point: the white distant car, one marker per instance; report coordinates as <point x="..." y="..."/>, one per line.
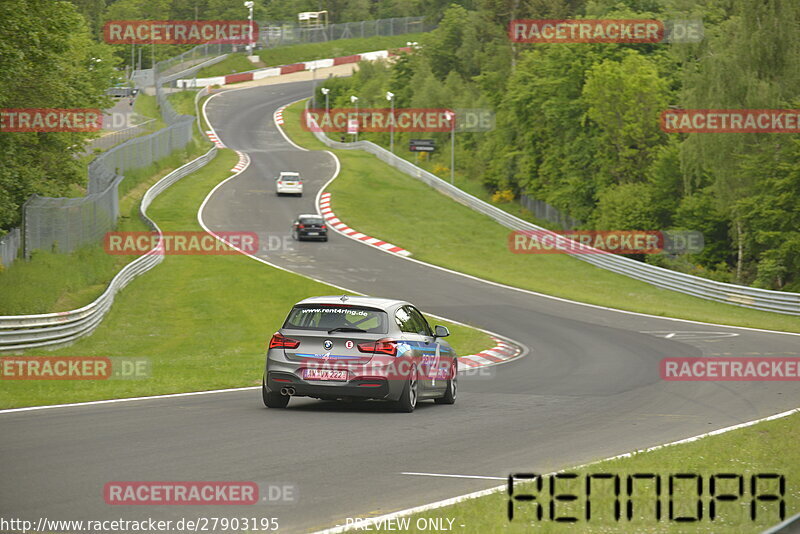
<point x="289" y="183"/>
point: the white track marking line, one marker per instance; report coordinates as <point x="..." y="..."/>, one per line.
<point x="367" y="521"/>
<point x="278" y="126"/>
<point x="529" y="292"/>
<point x="203" y="225"/>
<point x="445" y="475"/>
<point x="489" y="491"/>
<point x="129" y="399"/>
<point x="780" y="526"/>
<point x="523" y="348"/>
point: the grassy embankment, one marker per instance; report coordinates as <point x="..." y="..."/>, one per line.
<point x="285" y="55"/>
<point x="478" y="245"/>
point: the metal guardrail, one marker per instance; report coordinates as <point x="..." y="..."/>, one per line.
<point x="275" y="34"/>
<point x="19" y="332"/>
<point x="191" y="71"/>
<point x="748" y="297"/>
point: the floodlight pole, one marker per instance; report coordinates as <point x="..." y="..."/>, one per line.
<point x="354" y="100"/>
<point x="249" y="5"/>
<point x="390" y="98"/>
<point x="451" y="116"/>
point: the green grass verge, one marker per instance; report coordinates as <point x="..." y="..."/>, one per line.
<point x="202" y="321"/>
<point x="182" y="102"/>
<point x="236" y="62"/>
<point x="147" y="106"/>
<point x="768" y="447"/>
<point x="285" y="55"/>
<point x="52" y="282"/>
<point x="477" y="245"/>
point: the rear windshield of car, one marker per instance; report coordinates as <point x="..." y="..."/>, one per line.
<point x="311" y="220"/>
<point x="328" y="317"/>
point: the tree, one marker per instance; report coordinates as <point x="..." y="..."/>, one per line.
<point x="751" y="61"/>
<point x="625" y="98"/>
<point x="441" y="46"/>
<point x="627" y="206"/>
<point x="48" y="61"/>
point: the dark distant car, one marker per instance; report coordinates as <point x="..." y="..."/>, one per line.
<point x="309" y="227"/>
<point x="343" y="347"/>
<point x="121" y="90"/>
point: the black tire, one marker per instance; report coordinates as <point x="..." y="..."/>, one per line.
<point x="449" y="394"/>
<point x="325" y="240"/>
<point x="273" y="399"/>
<point x="410" y="396"/>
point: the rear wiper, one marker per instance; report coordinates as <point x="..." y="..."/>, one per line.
<point x="345" y="329"/>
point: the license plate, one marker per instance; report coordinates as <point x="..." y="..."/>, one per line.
<point x="325" y="374"/>
<point x="290" y="183"/>
<point x="313" y="233"/>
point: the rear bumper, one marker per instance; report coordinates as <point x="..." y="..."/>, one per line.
<point x="365" y="389"/>
<point x="289" y="190"/>
<point x="306" y="234"/>
<point x="372" y="384"/>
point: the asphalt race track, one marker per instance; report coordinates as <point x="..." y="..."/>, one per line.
<point x="588" y="389"/>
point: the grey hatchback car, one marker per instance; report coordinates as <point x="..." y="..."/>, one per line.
<point x="344" y="347"/>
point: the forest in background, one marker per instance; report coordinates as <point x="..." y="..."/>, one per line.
<point x="52" y="55"/>
<point x="577" y="125"/>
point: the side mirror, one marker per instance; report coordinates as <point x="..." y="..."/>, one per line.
<point x="440" y="331"/>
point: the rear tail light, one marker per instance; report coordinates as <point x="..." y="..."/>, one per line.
<point x="323" y="227"/>
<point x="299" y="183"/>
<point x="301" y="226"/>
<point x="382" y="346"/>
<point x="279" y="341"/>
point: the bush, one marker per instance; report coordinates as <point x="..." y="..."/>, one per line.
<point x="504" y="196"/>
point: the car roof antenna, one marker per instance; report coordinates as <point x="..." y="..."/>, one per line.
<point x="344" y="298"/>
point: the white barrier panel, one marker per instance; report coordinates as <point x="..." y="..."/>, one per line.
<point x="319" y="64"/>
<point x="266" y="73"/>
<point x="372" y="56"/>
<point x="201" y="82"/>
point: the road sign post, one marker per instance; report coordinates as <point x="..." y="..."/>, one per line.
<point x="422" y="145"/>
